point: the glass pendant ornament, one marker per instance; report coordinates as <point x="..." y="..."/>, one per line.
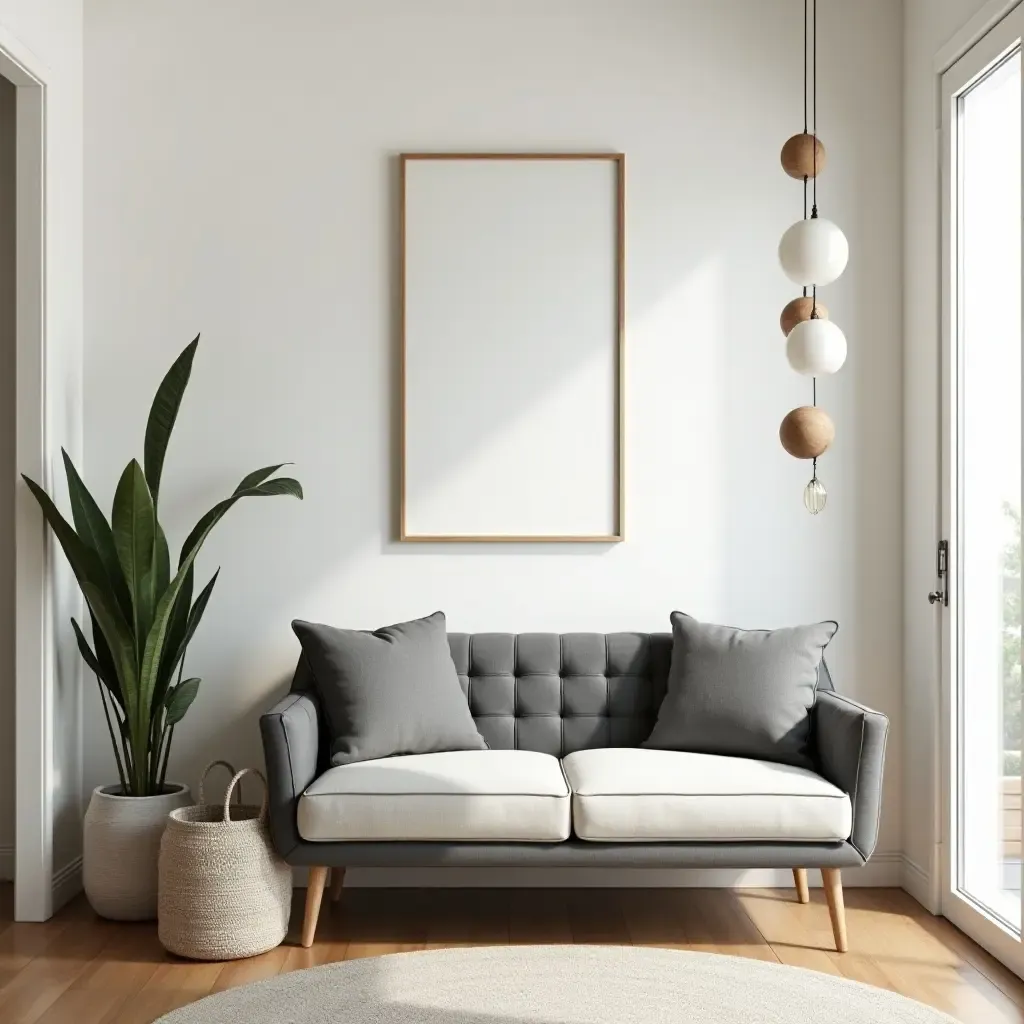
<point x="815" y="495"/>
<point x="816" y="347"/>
<point x="813" y="251"/>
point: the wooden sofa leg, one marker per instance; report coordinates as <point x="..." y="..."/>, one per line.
<point x="833" y="882"/>
<point x="314" y="894"/>
<point x="800" y="881"/>
<point x="337" y="883"/>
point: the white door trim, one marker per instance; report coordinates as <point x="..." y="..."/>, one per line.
<point x="990" y="15"/>
<point x="33" y="686"/>
<point x="924" y="877"/>
<point x="979" y="49"/>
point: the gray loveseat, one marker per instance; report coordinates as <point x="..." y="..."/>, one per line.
<point x="580" y="792"/>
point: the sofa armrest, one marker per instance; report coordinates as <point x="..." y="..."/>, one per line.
<point x="291" y="739"/>
<point x="850" y="742"/>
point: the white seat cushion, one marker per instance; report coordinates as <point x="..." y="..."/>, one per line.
<point x="626" y="795"/>
<point x="456" y="796"/>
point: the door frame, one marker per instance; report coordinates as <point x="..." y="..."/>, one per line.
<point x="982" y="45"/>
<point x="33" y="679"/>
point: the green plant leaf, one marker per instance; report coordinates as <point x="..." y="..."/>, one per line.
<point x="282" y="485"/>
<point x="134" y="529"/>
<point x="257" y="476"/>
<point x="162" y="562"/>
<point x="84" y="561"/>
<point x="179" y="700"/>
<point x="86" y="651"/>
<point x="163" y="413"/>
<point x="156" y="640"/>
<point x="88" y="570"/>
<point x="143" y="619"/>
<point x="156" y="582"/>
<point x="196" y="612"/>
<point x="94" y="530"/>
<point x="106" y="660"/>
<point x="174" y="644"/>
<point x="119" y="639"/>
<point x="177" y="647"/>
<point x="98" y="670"/>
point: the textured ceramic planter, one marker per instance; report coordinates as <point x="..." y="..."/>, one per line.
<point x="121" y="848"/>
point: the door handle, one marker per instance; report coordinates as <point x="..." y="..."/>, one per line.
<point x="942" y="572"/>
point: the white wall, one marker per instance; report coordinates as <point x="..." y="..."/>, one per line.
<point x="241" y="181"/>
<point x="7" y="474"/>
<point x="928" y="27"/>
<point x="51" y="30"/>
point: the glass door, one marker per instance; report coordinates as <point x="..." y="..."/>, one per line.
<point x="979" y="565"/>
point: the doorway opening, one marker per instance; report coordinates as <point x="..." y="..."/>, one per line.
<point x="981" y="506"/>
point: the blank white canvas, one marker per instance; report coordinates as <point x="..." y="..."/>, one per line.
<point x="511" y="347"/>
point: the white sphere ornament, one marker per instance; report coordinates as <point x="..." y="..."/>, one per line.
<point x="813" y="251"/>
<point x="816" y="347"/>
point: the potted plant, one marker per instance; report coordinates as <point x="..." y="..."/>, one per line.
<point x="142" y="618"/>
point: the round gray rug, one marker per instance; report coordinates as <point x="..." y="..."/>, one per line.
<point x="556" y="985"/>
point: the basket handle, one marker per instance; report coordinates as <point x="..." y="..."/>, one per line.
<point x="207" y="770"/>
<point x="231" y="786"/>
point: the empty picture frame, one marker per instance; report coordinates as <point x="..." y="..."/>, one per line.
<point x="512" y="322"/>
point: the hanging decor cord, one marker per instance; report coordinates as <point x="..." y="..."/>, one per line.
<point x="814" y="107"/>
<point x="813" y="252"/>
<point x="805" y="117"/>
<point x="814" y="167"/>
<point x="814" y="484"/>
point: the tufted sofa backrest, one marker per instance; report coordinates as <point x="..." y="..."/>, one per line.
<point x="557" y="693"/>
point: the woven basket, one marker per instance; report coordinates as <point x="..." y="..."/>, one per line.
<point x="224" y="892"/>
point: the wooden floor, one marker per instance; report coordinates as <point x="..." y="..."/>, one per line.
<point x="78" y="969"/>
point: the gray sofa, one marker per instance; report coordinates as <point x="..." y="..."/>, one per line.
<point x="579" y="699"/>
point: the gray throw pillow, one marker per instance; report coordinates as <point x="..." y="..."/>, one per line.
<point x="742" y="692"/>
<point x="392" y="691"/>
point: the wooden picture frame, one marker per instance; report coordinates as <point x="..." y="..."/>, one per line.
<point x="448" y="191"/>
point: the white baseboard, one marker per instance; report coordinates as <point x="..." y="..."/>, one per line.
<point x="67" y="883"/>
<point x="918" y="882"/>
<point x="883" y="870"/>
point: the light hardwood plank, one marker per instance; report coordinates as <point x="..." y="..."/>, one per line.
<point x="378" y="922"/>
<point x="78" y="969"/>
<point x="46" y="976"/>
<point x="596" y="917"/>
<point x="889" y="948"/>
<point x="714" y="921"/>
<point x="653" y="918"/>
<point x="150" y="1004"/>
<point x="173" y="983"/>
<point x="255" y="968"/>
<point x="539" y="917"/>
<point x="469" y="917"/>
<point x="84" y="1006"/>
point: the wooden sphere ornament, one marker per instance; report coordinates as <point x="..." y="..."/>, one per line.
<point x="799" y="310"/>
<point x="807" y="432"/>
<point x="803" y="156"/>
